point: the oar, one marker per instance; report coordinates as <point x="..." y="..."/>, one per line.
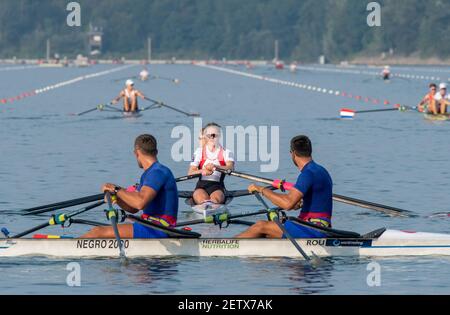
<point x="123" y="79"/>
<point x="62" y="204"/>
<point x="58" y="219"/>
<point x="99" y="107"/>
<point x="187" y="177"/>
<point x="112" y="216"/>
<point x="280" y="184"/>
<point x="79" y="201"/>
<point x="156" y="77"/>
<point x="172" y="108"/>
<point x="276" y="219"/>
<point x="350" y="113"/>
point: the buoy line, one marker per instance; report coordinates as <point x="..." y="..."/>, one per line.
<point x="61" y="84"/>
<point x="371" y="73"/>
<point x="307" y="87"/>
<point x="18" y="68"/>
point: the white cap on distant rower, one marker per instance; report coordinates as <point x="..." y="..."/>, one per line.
<point x="443" y="86"/>
<point x="129" y="82"/>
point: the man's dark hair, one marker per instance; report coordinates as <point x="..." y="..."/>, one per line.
<point x="147" y="144"/>
<point x="301" y="146"/>
<point x="433" y="85"/>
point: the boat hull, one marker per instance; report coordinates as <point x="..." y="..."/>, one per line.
<point x="391" y="243"/>
<point x="437" y="117"/>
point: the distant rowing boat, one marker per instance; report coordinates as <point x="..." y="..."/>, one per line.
<point x="379" y="243"/>
<point x="135" y="114"/>
<point x="440" y="117"/>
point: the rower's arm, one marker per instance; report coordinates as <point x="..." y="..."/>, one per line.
<point x="194" y="170"/>
<point x="136" y="201"/>
<point x="288" y="201"/>
<point x="118" y="98"/>
<point x="126" y="207"/>
<point x="423" y="101"/>
<point x="138" y="93"/>
<point x="229" y="166"/>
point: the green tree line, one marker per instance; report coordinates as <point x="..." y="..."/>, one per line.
<point x="233" y="29"/>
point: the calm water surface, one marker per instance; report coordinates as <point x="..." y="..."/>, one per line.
<point x="399" y="159"/>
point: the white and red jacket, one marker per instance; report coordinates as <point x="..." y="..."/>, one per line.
<point x="220" y="157"/>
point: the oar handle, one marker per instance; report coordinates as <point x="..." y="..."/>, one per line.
<point x="187" y="177"/>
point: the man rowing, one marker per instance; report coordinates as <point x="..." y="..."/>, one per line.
<point x="314" y="187"/>
<point x="428" y="102"/>
<point x="156" y="196"/>
<point x="144" y="74"/>
<point x="210" y="154"/>
<point x="386" y="74"/>
<point x="442" y="99"/>
<point x="130" y="97"/>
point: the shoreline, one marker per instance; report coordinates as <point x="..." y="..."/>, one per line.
<point x="367" y="61"/>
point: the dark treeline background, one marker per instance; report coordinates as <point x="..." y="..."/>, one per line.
<point x="235" y="29"/>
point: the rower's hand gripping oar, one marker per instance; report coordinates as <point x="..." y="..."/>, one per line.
<point x="274" y="217"/>
<point x="283" y="185"/>
<point x="112" y="215"/>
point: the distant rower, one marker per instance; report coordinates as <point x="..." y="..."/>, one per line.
<point x="209" y="155"/>
<point x="386" y="74"/>
<point x="144" y="75"/>
<point x="129" y="95"/>
<point x="314" y="188"/>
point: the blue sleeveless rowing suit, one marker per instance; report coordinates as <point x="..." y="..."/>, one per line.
<point x="317" y="187"/>
<point x="162" y="210"/>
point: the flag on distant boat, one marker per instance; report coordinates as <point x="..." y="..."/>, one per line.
<point x="347" y="113"/>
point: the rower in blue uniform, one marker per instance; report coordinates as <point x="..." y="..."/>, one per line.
<point x="156" y="195"/>
<point x="313" y="192"/>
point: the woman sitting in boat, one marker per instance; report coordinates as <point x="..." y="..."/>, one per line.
<point x="130" y="97"/>
<point x="314" y="188"/>
<point x="206" y="158"/>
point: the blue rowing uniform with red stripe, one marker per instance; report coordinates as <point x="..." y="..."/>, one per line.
<point x="163" y="209"/>
<point x="316" y="185"/>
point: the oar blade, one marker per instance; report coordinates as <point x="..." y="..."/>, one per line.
<point x="391" y="211"/>
<point x="347" y="113"/>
